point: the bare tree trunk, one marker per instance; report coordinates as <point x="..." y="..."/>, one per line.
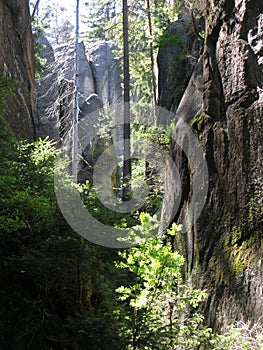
<point x="127" y="131"/>
<point x="154" y="88"/>
<point x="35" y="10"/>
<point x="76" y="100"/>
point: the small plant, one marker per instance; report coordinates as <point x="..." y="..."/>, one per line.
<point x="167" y="39"/>
<point x="241" y="336"/>
<point x="162" y="307"/>
<point x="6" y="88"/>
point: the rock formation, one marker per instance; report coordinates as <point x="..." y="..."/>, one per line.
<point x="17" y="64"/>
<point x="223" y="249"/>
<point x="99" y="83"/>
<point x="106" y="72"/>
<point x="177" y="59"/>
<point x="46" y="93"/>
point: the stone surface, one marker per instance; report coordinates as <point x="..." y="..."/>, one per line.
<point x="91" y="105"/>
<point x="99" y="82"/>
<point x="191" y="104"/>
<point x="65" y="56"/>
<point x="46" y="118"/>
<point x="223" y="249"/>
<point x="106" y="72"/>
<point x="55" y="91"/>
<point x="16" y="62"/>
<point x="176" y="63"/>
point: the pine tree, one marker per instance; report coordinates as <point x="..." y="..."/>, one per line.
<point x="51" y="16"/>
<point x="100" y="19"/>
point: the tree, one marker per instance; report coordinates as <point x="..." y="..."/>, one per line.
<point x="75" y="141"/>
<point x="162" y="306"/>
<point x="51" y="17"/>
<point x="154" y="86"/>
<point x="127" y="131"/>
<point x="100" y="20"/>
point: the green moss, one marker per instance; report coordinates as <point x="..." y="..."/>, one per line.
<point x="232" y="237"/>
<point x="197" y="125"/>
<point x="234" y="254"/>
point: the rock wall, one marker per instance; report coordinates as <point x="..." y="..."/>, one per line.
<point x="16" y="63"/>
<point x="46" y="118"/>
<point x="106" y="72"/>
<point x="177" y="59"/>
<point x="223" y="249"/>
<point x="99" y="82"/>
<point x="230" y="229"/>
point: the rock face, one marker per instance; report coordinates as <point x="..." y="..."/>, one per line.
<point x="176" y="62"/>
<point x="46" y="93"/>
<point x="54" y="92"/>
<point x="232" y="137"/>
<point x="16" y="63"/>
<point x="223" y="249"/>
<point x="106" y="72"/>
<point x="99" y="82"/>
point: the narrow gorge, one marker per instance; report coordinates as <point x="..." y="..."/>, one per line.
<point x="212" y="83"/>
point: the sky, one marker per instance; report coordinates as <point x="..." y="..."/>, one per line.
<point x="70" y="6"/>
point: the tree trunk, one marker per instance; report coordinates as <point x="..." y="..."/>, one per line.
<point x="76" y="101"/>
<point x="126" y="71"/>
<point x="154" y="95"/>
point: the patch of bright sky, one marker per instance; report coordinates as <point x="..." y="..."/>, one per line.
<point x="70" y="12"/>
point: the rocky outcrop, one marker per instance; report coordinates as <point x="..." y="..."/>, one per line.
<point x="106" y="71"/>
<point x="54" y="91"/>
<point x="46" y="117"/>
<point x="177" y="59"/>
<point x="232" y="138"/>
<point x="223" y="249"/>
<point x="99" y="82"/>
<point x="17" y="64"/>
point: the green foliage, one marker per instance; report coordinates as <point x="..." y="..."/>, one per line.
<point x="197" y="125"/>
<point x="161" y="306"/>
<point x="241" y="336"/>
<point x="197" y="120"/>
<point x="98" y="20"/>
<point x="102" y="213"/>
<point x="50" y="21"/>
<point x="153" y="134"/>
<point x="40" y="63"/>
<point x="167" y="39"/>
<point x="52" y="279"/>
<point x="6" y="88"/>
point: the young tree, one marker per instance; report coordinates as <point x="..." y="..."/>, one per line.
<point x="162" y="306"/>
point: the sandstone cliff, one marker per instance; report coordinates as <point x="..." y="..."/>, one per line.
<point x="17" y="64"/>
<point x="223" y="105"/>
<point x="99" y="82"/>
